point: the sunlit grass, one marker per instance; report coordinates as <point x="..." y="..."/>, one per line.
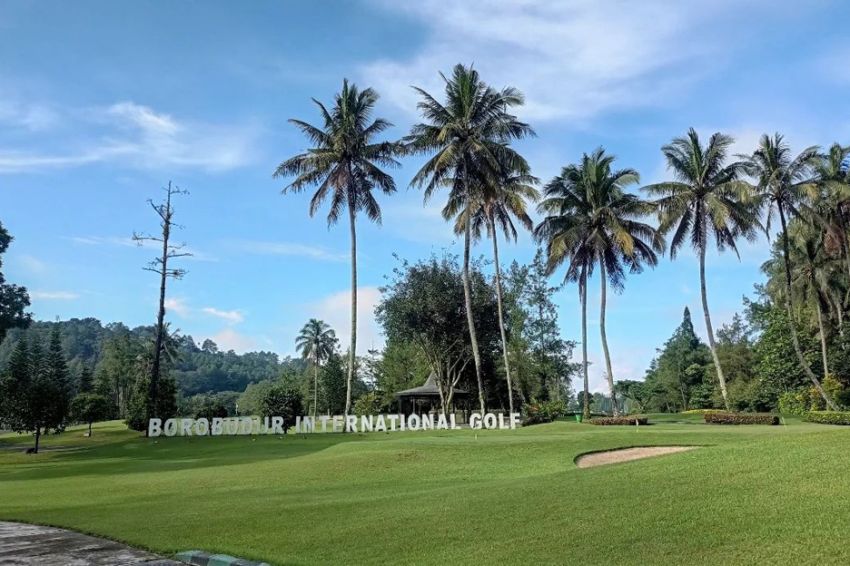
<point x="752" y="494"/>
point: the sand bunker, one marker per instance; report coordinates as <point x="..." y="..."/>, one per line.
<point x="627" y="454"/>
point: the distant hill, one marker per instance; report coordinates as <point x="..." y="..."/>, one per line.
<point x="199" y="369"/>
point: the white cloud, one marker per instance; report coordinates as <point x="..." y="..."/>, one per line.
<point x="572" y="59"/>
<point x="232" y="317"/>
<point x="178" y="305"/>
<point x="29" y="116"/>
<point x="288" y="249"/>
<point x="127" y="241"/>
<point x="229" y="339"/>
<point x="53" y="295"/>
<point x="335" y="309"/>
<point x="133" y="135"/>
<point x="33" y="264"/>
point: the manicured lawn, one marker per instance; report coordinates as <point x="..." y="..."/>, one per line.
<point x="753" y="494"/>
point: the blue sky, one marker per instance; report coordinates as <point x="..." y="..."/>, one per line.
<point x="102" y="103"/>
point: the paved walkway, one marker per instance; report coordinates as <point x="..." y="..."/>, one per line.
<point x="46" y="546"/>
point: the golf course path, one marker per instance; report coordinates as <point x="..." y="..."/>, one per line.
<point x="626" y="454"/>
<point x="47" y="546"/>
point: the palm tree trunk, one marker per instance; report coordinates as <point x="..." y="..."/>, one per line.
<point x="352" y="353"/>
<point x="467" y="295"/>
<point x="789" y="307"/>
<point x="315" y="387"/>
<point x="582" y="290"/>
<point x="37" y="438"/>
<point x="721" y="379"/>
<point x="603" y="300"/>
<point x="501" y="316"/>
<point x="822" y="331"/>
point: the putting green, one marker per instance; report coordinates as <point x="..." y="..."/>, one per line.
<point x="752" y="494"/>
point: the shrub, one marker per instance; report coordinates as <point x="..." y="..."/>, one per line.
<point x="828" y="417"/>
<point x="538" y="412"/>
<point x="615" y="421"/>
<point x="741" y="418"/>
<point x="282" y="401"/>
<point x="89" y="407"/>
<point x="368" y="404"/>
<point x="794" y="402"/>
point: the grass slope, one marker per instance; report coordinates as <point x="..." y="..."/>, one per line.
<point x="753" y="494"/>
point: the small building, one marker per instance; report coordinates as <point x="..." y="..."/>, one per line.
<point x="426" y="398"/>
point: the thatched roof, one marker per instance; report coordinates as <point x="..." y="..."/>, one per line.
<point x="427" y="389"/>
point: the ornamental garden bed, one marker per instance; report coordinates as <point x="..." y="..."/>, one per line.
<point x="828" y="417"/>
<point x="741" y="418"/>
<point x="619" y="421"/>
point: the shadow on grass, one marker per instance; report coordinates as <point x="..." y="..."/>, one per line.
<point x="141" y="455"/>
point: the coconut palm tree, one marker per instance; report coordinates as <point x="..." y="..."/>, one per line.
<point x="784" y="183"/>
<point x="468" y="134"/>
<point x="316" y="342"/>
<point x="493" y="210"/>
<point x="706" y="199"/>
<point x="345" y="164"/>
<point x="814" y="277"/>
<point x="832" y="206"/>
<point x="591" y="222"/>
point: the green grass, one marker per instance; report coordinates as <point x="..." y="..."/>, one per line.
<point x="752" y="494"/>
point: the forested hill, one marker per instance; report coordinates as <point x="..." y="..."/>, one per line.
<point x="198" y="368"/>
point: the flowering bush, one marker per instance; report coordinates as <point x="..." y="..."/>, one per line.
<point x="630" y="420"/>
<point x="538" y="412"/>
<point x="741" y="418"/>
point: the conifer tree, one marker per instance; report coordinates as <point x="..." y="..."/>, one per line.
<point x="36" y="392"/>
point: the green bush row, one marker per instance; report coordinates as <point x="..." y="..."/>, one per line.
<point x="618" y="421"/>
<point x="538" y="412"/>
<point x="741" y="418"/>
<point x="828" y="417"/>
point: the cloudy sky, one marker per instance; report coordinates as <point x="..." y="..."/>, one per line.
<point x="102" y="103"/>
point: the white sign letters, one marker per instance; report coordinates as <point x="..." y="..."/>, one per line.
<point x="304" y="425"/>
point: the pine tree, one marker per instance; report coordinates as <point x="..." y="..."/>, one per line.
<point x="58" y="378"/>
<point x="13" y="386"/>
<point x="86" y="380"/>
<point x="36" y="392"/>
<point x="679" y="375"/>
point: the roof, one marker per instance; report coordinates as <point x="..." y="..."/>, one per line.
<point x="427" y="389"/>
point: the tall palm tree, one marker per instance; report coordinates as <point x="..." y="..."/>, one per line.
<point x="784" y="183"/>
<point x="832" y="171"/>
<point x="345" y="164"/>
<point x="493" y="210"/>
<point x="706" y="199"/>
<point x="316" y="342"/>
<point x="468" y="134"/>
<point x="591" y="221"/>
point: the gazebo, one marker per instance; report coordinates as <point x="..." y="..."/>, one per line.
<point x="426" y="397"/>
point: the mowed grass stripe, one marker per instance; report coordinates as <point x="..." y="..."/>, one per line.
<point x="750" y="494"/>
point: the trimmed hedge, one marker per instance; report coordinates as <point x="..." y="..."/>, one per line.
<point x="741" y="418"/>
<point x="618" y="421"/>
<point x="828" y="417"/>
<point x="701" y="411"/>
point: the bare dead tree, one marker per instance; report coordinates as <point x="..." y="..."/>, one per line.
<point x="160" y="266"/>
